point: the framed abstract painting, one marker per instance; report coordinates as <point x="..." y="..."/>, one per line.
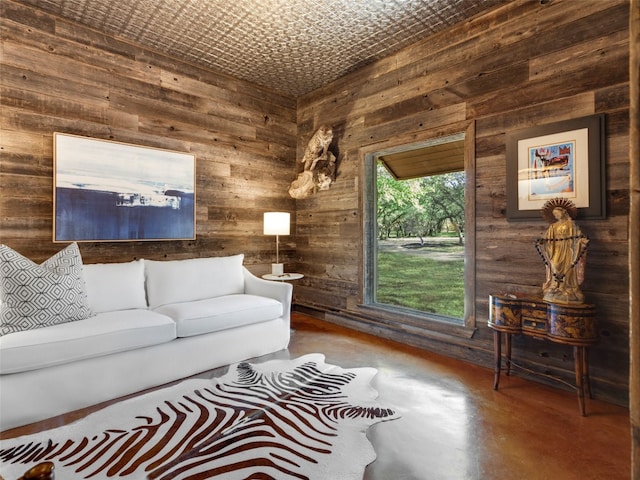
<point x="111" y="191"/>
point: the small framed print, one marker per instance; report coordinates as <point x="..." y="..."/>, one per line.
<point x="563" y="159"/>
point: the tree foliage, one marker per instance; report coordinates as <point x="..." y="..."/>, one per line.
<point x="420" y="207"/>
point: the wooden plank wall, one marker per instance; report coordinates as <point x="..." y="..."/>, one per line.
<point x="58" y="76"/>
<point x="634" y="228"/>
<point x="523" y="64"/>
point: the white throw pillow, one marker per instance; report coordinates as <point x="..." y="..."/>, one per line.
<point x="175" y="281"/>
<point x="35" y="296"/>
<point x="115" y="286"/>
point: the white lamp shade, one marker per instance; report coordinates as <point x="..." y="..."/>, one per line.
<point x="276" y="223"/>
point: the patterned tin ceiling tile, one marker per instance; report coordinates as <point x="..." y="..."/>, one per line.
<point x="291" y="46"/>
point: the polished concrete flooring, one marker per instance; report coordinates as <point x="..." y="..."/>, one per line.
<point x="454" y="426"/>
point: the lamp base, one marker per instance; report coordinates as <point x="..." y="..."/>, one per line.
<point x="277" y="268"/>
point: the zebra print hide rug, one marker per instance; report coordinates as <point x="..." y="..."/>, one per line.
<point x="279" y="420"/>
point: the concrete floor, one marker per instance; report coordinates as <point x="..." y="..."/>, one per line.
<point x="454" y="426"/>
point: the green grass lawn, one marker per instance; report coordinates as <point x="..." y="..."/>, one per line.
<point x="421" y="283"/>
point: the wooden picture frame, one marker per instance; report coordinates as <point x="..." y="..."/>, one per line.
<point x="107" y="191"/>
<point x="563" y="159"/>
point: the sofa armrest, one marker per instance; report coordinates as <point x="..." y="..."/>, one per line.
<point x="280" y="291"/>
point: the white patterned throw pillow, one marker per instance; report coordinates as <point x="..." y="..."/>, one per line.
<point x="36" y="296"/>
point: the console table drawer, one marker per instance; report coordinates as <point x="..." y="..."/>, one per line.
<point x="534" y="325"/>
<point x="534" y="318"/>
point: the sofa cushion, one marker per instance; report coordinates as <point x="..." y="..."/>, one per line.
<point x="36" y="296"/>
<point x="101" y="334"/>
<point x="176" y="281"/>
<point x="220" y="313"/>
<point x="115" y="286"/>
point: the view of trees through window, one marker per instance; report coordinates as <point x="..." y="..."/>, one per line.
<point x="420" y="245"/>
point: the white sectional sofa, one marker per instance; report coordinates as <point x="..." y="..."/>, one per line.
<point x="151" y="322"/>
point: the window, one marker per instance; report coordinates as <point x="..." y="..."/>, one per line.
<point x="419" y="232"/>
<point x="420" y="244"/>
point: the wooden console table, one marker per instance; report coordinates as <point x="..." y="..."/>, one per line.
<point x="573" y="325"/>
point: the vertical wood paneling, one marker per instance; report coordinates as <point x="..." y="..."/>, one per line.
<point x="520" y="65"/>
<point x="634" y="228"/>
<point x="58" y="76"/>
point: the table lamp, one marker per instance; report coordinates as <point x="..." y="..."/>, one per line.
<point x="277" y="223"/>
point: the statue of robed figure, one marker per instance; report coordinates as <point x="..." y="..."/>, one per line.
<point x="563" y="250"/>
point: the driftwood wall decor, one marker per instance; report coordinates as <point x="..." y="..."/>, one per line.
<point x="319" y="165"/>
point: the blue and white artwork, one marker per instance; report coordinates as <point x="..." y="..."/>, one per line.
<point x="110" y="191"/>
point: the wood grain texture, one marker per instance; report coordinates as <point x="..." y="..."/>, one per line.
<point x="634" y="237"/>
<point x="520" y="65"/>
<point x="58" y="76"/>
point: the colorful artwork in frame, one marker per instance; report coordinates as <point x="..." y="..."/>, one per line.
<point x="112" y="191"/>
<point x="563" y="159"/>
<point x="551" y="171"/>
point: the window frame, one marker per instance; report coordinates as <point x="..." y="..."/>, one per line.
<point x="426" y="323"/>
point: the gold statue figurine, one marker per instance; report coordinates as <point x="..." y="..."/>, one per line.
<point x="563" y="250"/>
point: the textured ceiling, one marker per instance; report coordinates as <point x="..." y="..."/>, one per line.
<point x="291" y="46"/>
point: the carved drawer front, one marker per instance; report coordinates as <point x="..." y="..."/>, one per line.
<point x="576" y="323"/>
<point x="534" y="318"/>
